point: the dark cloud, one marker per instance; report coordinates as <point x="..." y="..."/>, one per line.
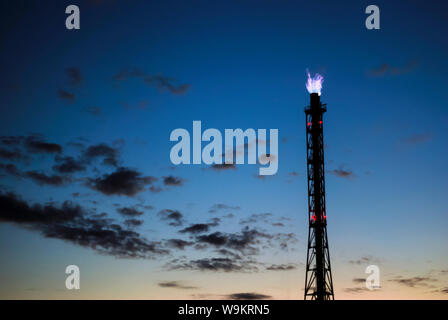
<point x="362" y="260"/>
<point x="66" y="96"/>
<point x="129" y="212"/>
<point x="244" y="241"/>
<point x="342" y="173"/>
<point x="42" y="179"/>
<point x="413" y="281"/>
<point x="229" y="253"/>
<point x="11" y="140"/>
<point x="107" y="153"/>
<point x="444" y="290"/>
<point x="223" y="166"/>
<point x="133" y="223"/>
<point x="12" y="154"/>
<point x="157" y="81"/>
<point x="68" y="165"/>
<point x="359" y="280"/>
<point x="201" y="227"/>
<point x="155" y="189"/>
<point x="178" y="243"/>
<point x="123" y="181"/>
<point x="173" y="181"/>
<point x="356" y="290"/>
<point x="196" y="228"/>
<point x="387" y="69"/>
<point x="281" y="267"/>
<point x="35" y="144"/>
<point x="417" y="138"/>
<point x="220" y="206"/>
<point x="212" y="264"/>
<point x="248" y="296"/>
<point x="10" y="169"/>
<point x="216" y="239"/>
<point x="174" y="217"/>
<point x="175" y="284"/>
<point x="278" y="224"/>
<point x="74" y="76"/>
<point x="214" y="222"/>
<point x="71" y="223"/>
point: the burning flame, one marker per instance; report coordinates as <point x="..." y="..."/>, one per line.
<point x="314" y="84"/>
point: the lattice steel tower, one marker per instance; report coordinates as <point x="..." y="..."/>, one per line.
<point x="318" y="280"/>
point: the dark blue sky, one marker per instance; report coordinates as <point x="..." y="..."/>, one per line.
<point x="237" y="64"/>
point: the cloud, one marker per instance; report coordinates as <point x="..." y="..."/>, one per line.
<point x="129" y="212"/>
<point x="342" y="173"/>
<point x="216" y="239"/>
<point x="178" y="243"/>
<point x="43" y="179"/>
<point x="256" y="217"/>
<point x="278" y="224"/>
<point x="220" y="206"/>
<point x="248" y="296"/>
<point x="12" y="154"/>
<point x="444" y="290"/>
<point x="35" y="144"/>
<point x="281" y="267"/>
<point x="176" y="285"/>
<point x="174" y="217"/>
<point x="201" y="227"/>
<point x="356" y="290"/>
<point x="363" y="260"/>
<point x="196" y="228"/>
<point x="68" y="165"/>
<point x="123" y="181"/>
<point x="71" y="223"/>
<point x="224" y="166"/>
<point x="413" y="281"/>
<point x="155" y="189"/>
<point x="173" y="181"/>
<point x="387" y="69"/>
<point x="283" y="240"/>
<point x="107" y="153"/>
<point x="158" y="81"/>
<point x="66" y="96"/>
<point x="10" y="169"/>
<point x="212" y="264"/>
<point x="133" y="223"/>
<point x="74" y="76"/>
<point x="417" y="138"/>
<point x="244" y="241"/>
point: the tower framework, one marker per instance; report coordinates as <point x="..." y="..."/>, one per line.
<point x="318" y="279"/>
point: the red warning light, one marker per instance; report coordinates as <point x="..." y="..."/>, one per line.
<point x="320" y="122"/>
<point x="309" y="124"/>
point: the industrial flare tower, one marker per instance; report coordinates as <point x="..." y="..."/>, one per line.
<point x="318" y="280"/>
